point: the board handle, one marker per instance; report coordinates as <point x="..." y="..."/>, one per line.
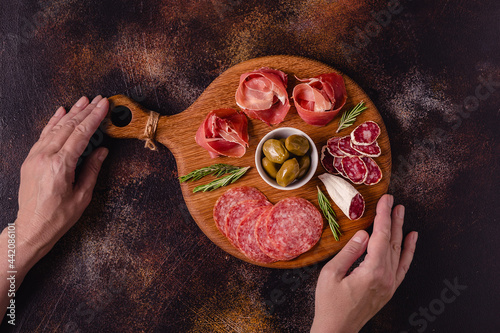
<point x="127" y="119"/>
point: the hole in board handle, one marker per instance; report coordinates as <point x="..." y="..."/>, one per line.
<point x="121" y="116"/>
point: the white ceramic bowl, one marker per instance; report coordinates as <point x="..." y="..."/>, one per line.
<point x="281" y="133"/>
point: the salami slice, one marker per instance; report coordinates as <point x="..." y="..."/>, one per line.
<point x="355" y="169"/>
<point x="372" y="150"/>
<point x="263" y="240"/>
<point x="327" y="161"/>
<point x="345" y="147"/>
<point x="374" y="173"/>
<point x="366" y="133"/>
<point x="337" y="164"/>
<point x="333" y="147"/>
<point x="245" y="236"/>
<point x="237" y="213"/>
<point x="229" y="199"/>
<point x="294" y="225"/>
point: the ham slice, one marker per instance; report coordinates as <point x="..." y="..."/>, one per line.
<point x="262" y="95"/>
<point x="318" y="100"/>
<point x="224" y="132"/>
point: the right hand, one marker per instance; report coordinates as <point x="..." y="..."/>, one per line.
<point x="346" y="303"/>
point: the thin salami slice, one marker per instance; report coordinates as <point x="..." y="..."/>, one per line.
<point x="372" y="150"/>
<point x="374" y="173"/>
<point x="345" y="147"/>
<point x="295" y="226"/>
<point x="245" y="236"/>
<point x="263" y="240"/>
<point x="357" y="207"/>
<point x="337" y="163"/>
<point x="327" y="161"/>
<point x="237" y="213"/>
<point x="355" y="169"/>
<point x="230" y="198"/>
<point x="333" y="147"/>
<point x="366" y="133"/>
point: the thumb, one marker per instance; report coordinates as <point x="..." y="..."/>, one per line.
<point x="90" y="171"/>
<point x="356" y="246"/>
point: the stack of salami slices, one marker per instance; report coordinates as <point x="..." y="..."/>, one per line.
<point x="352" y="156"/>
<point x="265" y="232"/>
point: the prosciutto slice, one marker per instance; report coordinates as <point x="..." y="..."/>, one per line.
<point x="262" y="95"/>
<point x="318" y="100"/>
<point x="224" y="132"/>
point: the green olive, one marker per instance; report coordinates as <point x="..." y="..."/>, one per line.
<point x="297" y="145"/>
<point x="270" y="167"/>
<point x="304" y="164"/>
<point x="288" y="172"/>
<point x="275" y="151"/>
<point x="283" y="140"/>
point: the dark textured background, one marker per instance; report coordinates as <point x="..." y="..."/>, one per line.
<point x="136" y="261"/>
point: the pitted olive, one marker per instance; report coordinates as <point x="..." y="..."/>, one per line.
<point x="297" y="145"/>
<point x="288" y="172"/>
<point x="275" y="151"/>
<point x="304" y="164"/>
<point x="270" y="167"/>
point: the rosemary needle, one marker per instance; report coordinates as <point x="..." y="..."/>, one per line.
<point x="329" y="214"/>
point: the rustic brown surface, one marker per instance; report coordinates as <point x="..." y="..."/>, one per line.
<point x="177" y="132"/>
<point x="136" y="261"/>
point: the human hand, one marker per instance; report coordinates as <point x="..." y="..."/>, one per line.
<point x="346" y="303"/>
<point x="51" y="200"/>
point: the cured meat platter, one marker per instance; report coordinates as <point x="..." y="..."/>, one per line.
<point x="178" y="132"/>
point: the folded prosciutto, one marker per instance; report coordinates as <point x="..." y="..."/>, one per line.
<point x="224" y="132"/>
<point x="262" y="95"/>
<point x="319" y="99"/>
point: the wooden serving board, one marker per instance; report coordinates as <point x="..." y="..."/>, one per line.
<point x="177" y="132"/>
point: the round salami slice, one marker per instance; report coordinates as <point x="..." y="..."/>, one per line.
<point x="327" y="161"/>
<point x="263" y="240"/>
<point x="337" y="164"/>
<point x="355" y="169"/>
<point x="357" y="207"/>
<point x="333" y="147"/>
<point x="372" y="150"/>
<point x="294" y="225"/>
<point x="345" y="147"/>
<point x="366" y="133"/>
<point x="237" y="213"/>
<point x="245" y="236"/>
<point x="230" y="198"/>
<point x="374" y="173"/>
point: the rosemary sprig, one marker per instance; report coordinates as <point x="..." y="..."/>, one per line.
<point x="216" y="170"/>
<point x="226" y="180"/>
<point x="329" y="214"/>
<point x="349" y="117"/>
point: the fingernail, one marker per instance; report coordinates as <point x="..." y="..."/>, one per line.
<point x="390" y="201"/>
<point x="80" y="102"/>
<point x="357" y="238"/>
<point x="59" y="112"/>
<point x="102" y="154"/>
<point x="400" y="212"/>
<point x="96" y="99"/>
<point x="102" y="102"/>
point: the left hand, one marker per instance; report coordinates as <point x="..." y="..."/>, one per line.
<point x="51" y="200"/>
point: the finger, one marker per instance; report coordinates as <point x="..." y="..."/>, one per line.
<point x="378" y="245"/>
<point x="53" y="121"/>
<point x="406" y="256"/>
<point x="341" y="263"/>
<point x="88" y="177"/>
<point x="77" y="107"/>
<point x="79" y="139"/>
<point x="66" y="126"/>
<point x="398" y="215"/>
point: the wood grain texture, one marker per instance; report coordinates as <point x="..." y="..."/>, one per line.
<point x="177" y="133"/>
